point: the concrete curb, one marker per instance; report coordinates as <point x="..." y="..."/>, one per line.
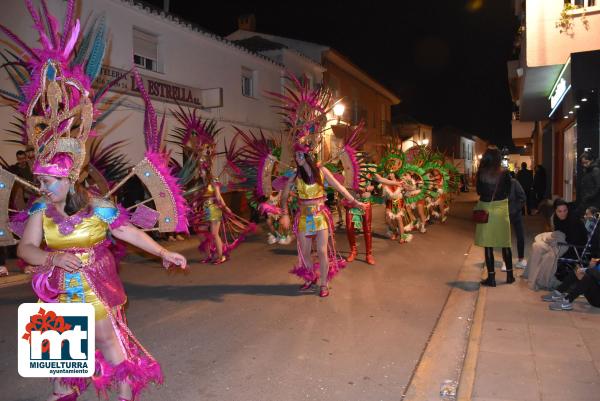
<point x="445" y="352"/>
<point x="14" y="279"/>
<point x="467" y="377"/>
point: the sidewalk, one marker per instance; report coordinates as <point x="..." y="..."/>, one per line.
<point x="521" y="350"/>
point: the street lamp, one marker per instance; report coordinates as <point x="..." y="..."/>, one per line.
<point x="338" y="111"/>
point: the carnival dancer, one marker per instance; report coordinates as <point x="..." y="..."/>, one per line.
<point x="395" y="208"/>
<point x="77" y="266"/>
<point x="76" y="263"/>
<point x="213" y="208"/>
<point x="313" y="221"/>
<point x="438" y="207"/>
<point x="221" y="229"/>
<point x="305" y="116"/>
<point x="360" y="218"/>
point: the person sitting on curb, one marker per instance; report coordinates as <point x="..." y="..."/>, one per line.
<point x="585" y="281"/>
<point x="549" y="246"/>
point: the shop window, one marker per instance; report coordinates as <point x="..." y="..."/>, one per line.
<point x="145" y="50"/>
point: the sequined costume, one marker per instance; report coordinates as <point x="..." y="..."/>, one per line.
<point x="59" y="109"/>
<point x="212" y="210"/>
<point x="304" y="110"/>
<point x="312" y="216"/>
<point x="394" y="203"/>
<point x="85" y="235"/>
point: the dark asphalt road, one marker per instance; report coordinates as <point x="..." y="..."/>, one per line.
<point x="241" y="331"/>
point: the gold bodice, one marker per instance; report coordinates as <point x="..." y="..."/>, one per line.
<point x="309" y="191"/>
<point x="91" y="231"/>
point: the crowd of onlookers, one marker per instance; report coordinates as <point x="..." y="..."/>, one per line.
<point x="565" y="259"/>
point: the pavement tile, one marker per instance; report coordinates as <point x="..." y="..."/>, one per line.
<point x="504" y="376"/>
<point x="571" y="380"/>
<point x="591" y="339"/>
<point x="504" y="337"/>
<point x="559" y="342"/>
<point x="585" y="318"/>
<point x="505" y="311"/>
<point x="540" y="315"/>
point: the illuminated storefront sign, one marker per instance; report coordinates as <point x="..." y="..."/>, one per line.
<point x="561" y="87"/>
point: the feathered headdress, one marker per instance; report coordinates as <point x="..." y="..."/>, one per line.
<point x="53" y="89"/>
<point x="304" y="112"/>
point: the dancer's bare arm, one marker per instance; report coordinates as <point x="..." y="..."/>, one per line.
<point x="140" y="239"/>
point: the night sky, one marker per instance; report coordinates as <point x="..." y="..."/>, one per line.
<point x="446" y="59"/>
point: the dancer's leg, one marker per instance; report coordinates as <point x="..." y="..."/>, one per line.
<point x="214" y="231"/>
<point x="322" y="239"/>
<point x="108" y="343"/>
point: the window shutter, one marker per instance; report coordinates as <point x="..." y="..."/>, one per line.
<point x="145" y="45"/>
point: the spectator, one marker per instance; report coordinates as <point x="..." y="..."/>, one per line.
<point x="590" y="182"/>
<point x="516" y="200"/>
<point x="539" y="186"/>
<point x="590" y="219"/>
<point x="586" y="282"/>
<point x="548" y="247"/>
<point x="30" y="152"/>
<point x="493" y="187"/>
<point x="22" y="170"/>
<point x="525" y="178"/>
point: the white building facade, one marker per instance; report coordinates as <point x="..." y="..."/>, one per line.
<point x="178" y="62"/>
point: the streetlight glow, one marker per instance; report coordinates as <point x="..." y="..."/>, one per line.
<point x="338" y="110"/>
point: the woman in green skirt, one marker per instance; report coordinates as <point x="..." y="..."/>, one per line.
<point x="493" y="188"/>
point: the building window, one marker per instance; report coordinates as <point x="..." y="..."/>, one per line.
<point x="248" y="82"/>
<point x="581" y="3"/>
<point x="145" y="50"/>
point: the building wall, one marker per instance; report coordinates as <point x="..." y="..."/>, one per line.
<point x="374" y="108"/>
<point x="546" y="45"/>
<point x="187" y="57"/>
<point x="414" y="133"/>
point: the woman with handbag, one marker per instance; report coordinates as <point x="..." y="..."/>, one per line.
<point x="491" y="214"/>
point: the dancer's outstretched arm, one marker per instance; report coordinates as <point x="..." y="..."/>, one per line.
<point x="386" y="181"/>
<point x="340" y="188"/>
<point x="140" y="239"/>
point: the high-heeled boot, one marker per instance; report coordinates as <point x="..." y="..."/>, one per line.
<point x="510" y="278"/>
<point x="351" y="236"/>
<point x="490" y="281"/>
<point x="368" y="234"/>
